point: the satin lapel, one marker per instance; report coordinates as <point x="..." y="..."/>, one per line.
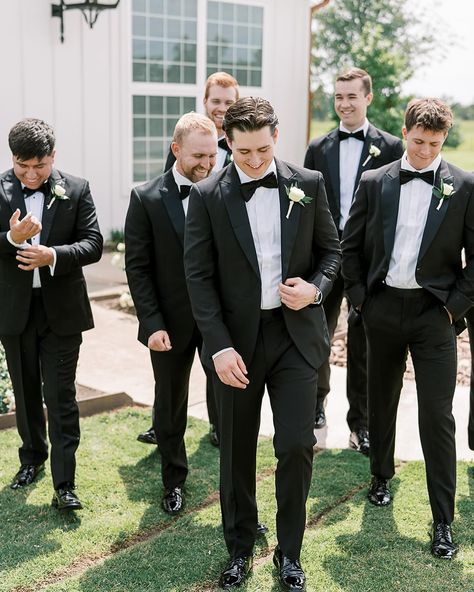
<point x="289" y="226"/>
<point x="50" y="207"/>
<point x="390" y="203"/>
<point x="174" y="207"/>
<point x="332" y="158"/>
<point x="14" y="194"/>
<point x="235" y="204"/>
<point x="372" y="139"/>
<point x="435" y="216"/>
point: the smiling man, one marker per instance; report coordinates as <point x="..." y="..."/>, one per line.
<point x="342" y="156"/>
<point x="404" y="273"/>
<point x="48" y="232"/>
<point x="257" y="274"/>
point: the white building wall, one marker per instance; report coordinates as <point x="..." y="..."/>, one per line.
<point x="83" y="87"/>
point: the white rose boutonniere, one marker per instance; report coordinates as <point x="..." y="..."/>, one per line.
<point x="444" y="192"/>
<point x="374" y="152"/>
<point x="57" y="192"/>
<point x="296" y="195"/>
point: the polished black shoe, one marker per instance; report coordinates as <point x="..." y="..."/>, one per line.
<point x="261" y="529"/>
<point x="359" y="441"/>
<point x="173" y="500"/>
<point x="148" y="437"/>
<point x="379" y="493"/>
<point x="235" y="573"/>
<point x="290" y="573"/>
<point x="64" y="498"/>
<point x="213" y="437"/>
<point x="320" y="418"/>
<point x="26" y="475"/>
<point x="442" y="545"/>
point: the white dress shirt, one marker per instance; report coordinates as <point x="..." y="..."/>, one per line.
<point x="350" y="151"/>
<point x="181" y="180"/>
<point x="415" y="200"/>
<point x="34" y="204"/>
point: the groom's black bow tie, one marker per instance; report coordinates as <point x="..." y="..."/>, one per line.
<point x="184" y="191"/>
<point x="248" y="189"/>
<point x="222" y="143"/>
<point x="405" y="176"/>
<point x="44" y="188"/>
<point x="356" y="135"/>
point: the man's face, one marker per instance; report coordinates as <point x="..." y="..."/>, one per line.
<point x="196" y="155"/>
<point x="351" y="102"/>
<point x="217" y="103"/>
<point x="253" y="151"/>
<point x="33" y="172"/>
<point x="423" y="145"/>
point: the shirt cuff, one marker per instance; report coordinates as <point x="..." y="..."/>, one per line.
<point x="221" y="351"/>
<point x="18" y="246"/>
<point x="55" y="258"/>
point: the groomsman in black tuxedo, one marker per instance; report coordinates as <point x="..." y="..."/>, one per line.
<point x="342" y="156"/>
<point x="48" y="232"/>
<point x="220" y="92"/>
<point x="258" y="265"/>
<point x="154" y="235"/>
<point x="470" y="328"/>
<point x="403" y="270"/>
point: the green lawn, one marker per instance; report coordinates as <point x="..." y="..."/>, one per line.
<point x="123" y="542"/>
<point x="463" y="156"/>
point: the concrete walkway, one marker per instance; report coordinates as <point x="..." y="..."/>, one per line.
<point x="112" y="360"/>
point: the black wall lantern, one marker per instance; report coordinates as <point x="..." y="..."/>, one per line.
<point x="90" y="10"/>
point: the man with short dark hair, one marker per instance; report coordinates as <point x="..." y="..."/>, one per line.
<point x="258" y="265"/>
<point x="403" y="271"/>
<point x="342" y="156"/>
<point x="48" y="232"/>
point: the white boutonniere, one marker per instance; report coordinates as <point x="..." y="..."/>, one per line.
<point x="444" y="192"/>
<point x="374" y="152"/>
<point x="57" y="192"/>
<point x="296" y="195"/>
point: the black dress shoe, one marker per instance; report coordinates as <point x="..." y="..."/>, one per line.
<point x="26" y="475"/>
<point x="148" y="437"/>
<point x="379" y="493"/>
<point x="320" y="418"/>
<point x="173" y="500"/>
<point x="290" y="573"/>
<point x="359" y="440"/>
<point x="64" y="498"/>
<point x="442" y="541"/>
<point x="261" y="529"/>
<point x="213" y="437"/>
<point x="235" y="572"/>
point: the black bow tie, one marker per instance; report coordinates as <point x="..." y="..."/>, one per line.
<point x="44" y="189"/>
<point x="356" y="135"/>
<point x="405" y="176"/>
<point x="184" y="191"/>
<point x="248" y="189"/>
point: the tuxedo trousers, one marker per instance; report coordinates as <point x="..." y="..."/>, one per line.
<point x="291" y="385"/>
<point x="42" y="365"/>
<point x="170" y="408"/>
<point x="356" y="384"/>
<point x="470" y="428"/>
<point x="398" y="321"/>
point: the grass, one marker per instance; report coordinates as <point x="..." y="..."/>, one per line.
<point x="122" y="541"/>
<point x="462" y="156"/>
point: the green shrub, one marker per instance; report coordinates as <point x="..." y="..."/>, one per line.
<point x="7" y="401"/>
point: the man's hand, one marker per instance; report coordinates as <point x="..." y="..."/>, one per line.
<point x="159" y="341"/>
<point x="231" y="369"/>
<point x="34" y="256"/>
<point x="22" y="230"/>
<point x="295" y="293"/>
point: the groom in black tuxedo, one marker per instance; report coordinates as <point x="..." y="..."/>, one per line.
<point x="48" y="232"/>
<point x="258" y="265"/>
<point x="342" y="156"/>
<point x="403" y="270"/>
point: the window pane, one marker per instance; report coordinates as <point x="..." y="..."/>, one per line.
<point x="173" y="106"/>
<point x="157" y="28"/>
<point x="173" y="7"/>
<point x="139" y="49"/>
<point x="173" y="74"/>
<point x="156" y="50"/>
<point x="156" y="6"/>
<point x="156" y="128"/>
<point x="139" y="26"/>
<point x="170" y="123"/>
<point x="156" y="73"/>
<point x="173" y="29"/>
<point x="139" y="105"/>
<point x="156" y="105"/>
<point x="190" y="8"/>
<point x="189" y="74"/>
<point x="227" y="13"/>
<point x="139" y="149"/>
<point x="139" y="5"/>
<point x="189" y="52"/>
<point x="139" y="127"/>
<point x="255" y="35"/>
<point x="256" y="78"/>
<point x="156" y="149"/>
<point x="189" y="104"/>
<point x="139" y="72"/>
<point x="213" y="11"/>
<point x="140" y="172"/>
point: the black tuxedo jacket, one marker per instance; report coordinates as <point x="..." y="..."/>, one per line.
<point x="323" y="155"/>
<point x="70" y="226"/>
<point x="369" y="236"/>
<point x="222" y="268"/>
<point x="154" y="236"/>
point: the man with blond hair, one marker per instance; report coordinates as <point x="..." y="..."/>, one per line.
<point x="154" y="235"/>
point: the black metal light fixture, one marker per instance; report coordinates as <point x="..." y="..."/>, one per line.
<point x="90" y="10"/>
